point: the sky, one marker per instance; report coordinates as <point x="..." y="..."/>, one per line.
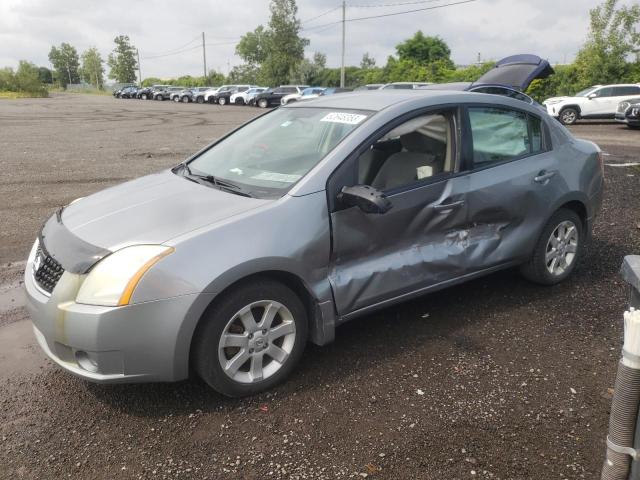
<point x="552" y="29"/>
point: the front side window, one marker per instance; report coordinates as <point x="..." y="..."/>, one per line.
<point x="412" y="152"/>
<point x="269" y="155"/>
<point x="501" y="134"/>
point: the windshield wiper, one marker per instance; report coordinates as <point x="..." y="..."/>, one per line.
<point x="221" y="184"/>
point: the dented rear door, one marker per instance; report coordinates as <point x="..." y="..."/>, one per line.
<point x="511" y="195"/>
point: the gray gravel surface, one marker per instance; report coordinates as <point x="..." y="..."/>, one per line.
<point x="494" y="379"/>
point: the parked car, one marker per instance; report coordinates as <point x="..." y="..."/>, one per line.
<point x="191" y="94"/>
<point x="369" y="86"/>
<point x="166" y="92"/>
<point x="174" y="94"/>
<point x="243" y="98"/>
<point x="128" y="92"/>
<point x="200" y="96"/>
<point x="300" y="220"/>
<point x="222" y="96"/>
<point x="147" y="93"/>
<point x="599" y="101"/>
<point x="403" y="85"/>
<point x="510" y="77"/>
<point x="209" y="95"/>
<point x="306" y="94"/>
<point x="272" y="96"/>
<point x="629" y="112"/>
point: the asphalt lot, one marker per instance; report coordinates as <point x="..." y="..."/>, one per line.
<point x="496" y="379"/>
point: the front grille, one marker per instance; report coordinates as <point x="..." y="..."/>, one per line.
<point x="46" y="271"/>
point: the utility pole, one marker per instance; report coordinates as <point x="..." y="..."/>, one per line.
<point x="204" y="56"/>
<point x="344" y="7"/>
<point x="139" y="69"/>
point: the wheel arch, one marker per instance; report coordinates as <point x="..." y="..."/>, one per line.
<point x="576" y="107"/>
<point x="320" y="315"/>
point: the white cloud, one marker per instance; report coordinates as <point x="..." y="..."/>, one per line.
<point x="495" y="28"/>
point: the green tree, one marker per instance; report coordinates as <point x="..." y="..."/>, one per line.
<point x="367" y="61"/>
<point x="613" y="38"/>
<point x="28" y="78"/>
<point x="253" y="46"/>
<point x="122" y="61"/>
<point x="92" y="67"/>
<point x="213" y="78"/>
<point x="46" y="76"/>
<point x="66" y="64"/>
<point x="310" y="72"/>
<point x="424" y="50"/>
<point x="246" y="73"/>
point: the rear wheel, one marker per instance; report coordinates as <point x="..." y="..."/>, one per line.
<point x="212" y="100"/>
<point x="558" y="249"/>
<point x="185" y="99"/>
<point x="251" y="339"/>
<point x="200" y="100"/>
<point x="263" y="103"/>
<point x="222" y="100"/>
<point x="568" y="116"/>
<point x="143" y="96"/>
<point x="176" y="99"/>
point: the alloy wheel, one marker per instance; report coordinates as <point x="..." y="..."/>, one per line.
<point x="562" y="248"/>
<point x="569" y="116"/>
<point x="257" y="341"/>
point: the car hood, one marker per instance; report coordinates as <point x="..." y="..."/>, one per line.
<point x="555" y="100"/>
<point x="517" y="71"/>
<point x="151" y="209"/>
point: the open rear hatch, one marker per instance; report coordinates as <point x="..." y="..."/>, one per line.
<point x="517" y="71"/>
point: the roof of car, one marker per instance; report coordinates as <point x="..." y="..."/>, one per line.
<point x="377" y="100"/>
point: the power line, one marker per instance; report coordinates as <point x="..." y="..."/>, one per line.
<point x="321" y="15"/>
<point x="377" y="5"/>
<point x="173" y="53"/>
<point x="172" y="50"/>
<point x="391" y="14"/>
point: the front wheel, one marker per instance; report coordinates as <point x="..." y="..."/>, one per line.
<point x="251" y="339"/>
<point x="176" y="99"/>
<point x="200" y="100"/>
<point x="263" y="103"/>
<point x="143" y="96"/>
<point x="222" y="101"/>
<point x="568" y="116"/>
<point x="185" y="99"/>
<point x="558" y="249"/>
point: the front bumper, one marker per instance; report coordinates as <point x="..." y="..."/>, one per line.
<point x="134" y="343"/>
<point x="553" y="109"/>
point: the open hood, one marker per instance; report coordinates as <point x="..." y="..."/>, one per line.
<point x="517" y="71"/>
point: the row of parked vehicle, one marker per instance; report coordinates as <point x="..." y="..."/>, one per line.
<point x="254" y="95"/>
<point x="510" y="77"/>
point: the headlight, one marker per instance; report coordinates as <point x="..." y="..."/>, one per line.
<point x="112" y="280"/>
<point x="552" y="102"/>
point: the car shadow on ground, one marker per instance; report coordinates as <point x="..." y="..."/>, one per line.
<point x="360" y="345"/>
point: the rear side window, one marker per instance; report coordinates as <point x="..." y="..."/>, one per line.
<point x="625" y="91"/>
<point x="501" y="134"/>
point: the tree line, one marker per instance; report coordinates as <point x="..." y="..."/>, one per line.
<point x="274" y="54"/>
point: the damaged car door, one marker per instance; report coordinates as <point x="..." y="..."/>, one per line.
<point x="514" y="183"/>
<point x="398" y="213"/>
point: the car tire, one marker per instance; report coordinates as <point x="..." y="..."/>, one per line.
<point x="200" y="100"/>
<point x="558" y="249"/>
<point x="263" y="103"/>
<point x="239" y="101"/>
<point x="253" y="346"/>
<point x="222" y="101"/>
<point x="568" y="116"/>
<point x="160" y="98"/>
<point x="185" y="99"/>
<point x="212" y="100"/>
<point x="176" y="99"/>
<point x="143" y="96"/>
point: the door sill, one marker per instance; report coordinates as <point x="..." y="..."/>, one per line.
<point x="422" y="291"/>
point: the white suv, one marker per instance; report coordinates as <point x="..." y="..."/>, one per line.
<point x="599" y="101"/>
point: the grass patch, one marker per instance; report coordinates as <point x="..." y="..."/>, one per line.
<point x="13" y="95"/>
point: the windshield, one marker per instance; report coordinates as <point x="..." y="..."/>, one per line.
<point x="268" y="156"/>
<point x="585" y="92"/>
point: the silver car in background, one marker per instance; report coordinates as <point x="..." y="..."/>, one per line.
<point x="300" y="220"/>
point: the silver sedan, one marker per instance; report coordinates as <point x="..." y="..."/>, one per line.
<point x="302" y="219"/>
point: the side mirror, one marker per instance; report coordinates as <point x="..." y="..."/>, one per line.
<point x="591" y="96"/>
<point x="366" y="198"/>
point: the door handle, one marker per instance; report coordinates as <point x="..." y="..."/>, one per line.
<point x="544" y="176"/>
<point x="444" y="207"/>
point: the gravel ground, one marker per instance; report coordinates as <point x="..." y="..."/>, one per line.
<point x="494" y="379"/>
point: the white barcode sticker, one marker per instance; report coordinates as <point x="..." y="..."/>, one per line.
<point x="277" y="177"/>
<point x="341" y="117"/>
